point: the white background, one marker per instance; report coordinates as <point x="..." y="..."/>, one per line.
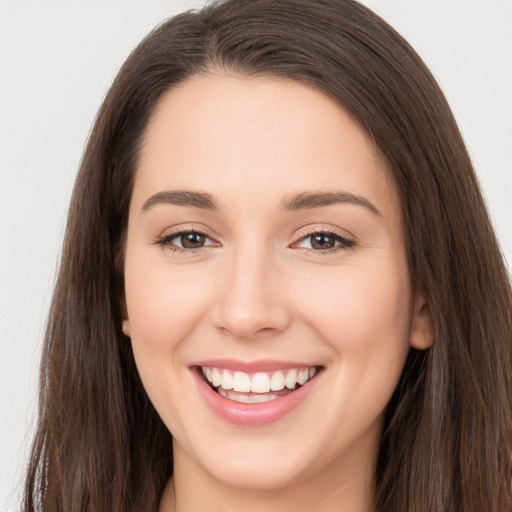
<point x="57" y="58"/>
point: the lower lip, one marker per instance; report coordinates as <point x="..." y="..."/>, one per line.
<point x="252" y="414"/>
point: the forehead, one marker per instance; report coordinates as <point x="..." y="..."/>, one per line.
<point x="254" y="136"/>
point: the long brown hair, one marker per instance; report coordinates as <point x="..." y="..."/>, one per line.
<point x="447" y="439"/>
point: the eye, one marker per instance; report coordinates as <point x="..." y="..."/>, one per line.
<point x="190" y="240"/>
<point x="324" y="241"/>
<point x="185" y="240"/>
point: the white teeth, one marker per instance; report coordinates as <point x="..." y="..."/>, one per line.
<point x="241" y="382"/>
<point x="261" y="382"/>
<point x="216" y="377"/>
<point x="277" y="381"/>
<point x="247" y="398"/>
<point x="303" y="376"/>
<point x="259" y="399"/>
<point x="291" y="379"/>
<point x="226" y="381"/>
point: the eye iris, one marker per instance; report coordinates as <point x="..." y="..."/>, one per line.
<point x="192" y="240"/>
<point x="322" y="241"/>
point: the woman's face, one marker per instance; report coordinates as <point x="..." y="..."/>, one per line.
<point x="268" y="297"/>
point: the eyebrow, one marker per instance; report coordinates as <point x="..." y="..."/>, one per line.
<point x="310" y="200"/>
<point x="188" y="198"/>
<point x="301" y="201"/>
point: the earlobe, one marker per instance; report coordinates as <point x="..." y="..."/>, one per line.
<point x="422" y="326"/>
<point x="119" y="264"/>
<point x="126" y="327"/>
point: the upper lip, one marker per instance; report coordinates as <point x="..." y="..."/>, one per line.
<point x="260" y="365"/>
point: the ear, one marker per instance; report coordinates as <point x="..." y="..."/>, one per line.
<point x="422" y="327"/>
<point x="124" y="312"/>
<point x="126" y="327"/>
<point x="121" y="296"/>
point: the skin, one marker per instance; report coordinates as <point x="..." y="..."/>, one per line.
<point x="258" y="290"/>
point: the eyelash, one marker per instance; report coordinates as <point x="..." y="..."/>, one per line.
<point x="343" y="241"/>
<point x="166" y="241"/>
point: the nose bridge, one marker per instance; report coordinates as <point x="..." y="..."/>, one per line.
<point x="250" y="301"/>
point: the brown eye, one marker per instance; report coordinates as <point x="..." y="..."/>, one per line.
<point x="323" y="241"/>
<point x="185" y="240"/>
<point x="192" y="240"/>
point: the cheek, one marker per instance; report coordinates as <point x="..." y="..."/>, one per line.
<point x="162" y="305"/>
<point x="163" y="309"/>
<point x="364" y="315"/>
<point x="359" y="299"/>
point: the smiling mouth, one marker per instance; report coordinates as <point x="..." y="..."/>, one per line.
<point x="257" y="387"/>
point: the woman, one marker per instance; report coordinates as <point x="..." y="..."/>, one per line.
<point x="279" y="285"/>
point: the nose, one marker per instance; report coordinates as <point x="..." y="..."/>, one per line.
<point x="251" y="301"/>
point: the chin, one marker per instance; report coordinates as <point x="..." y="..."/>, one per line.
<point x="261" y="475"/>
